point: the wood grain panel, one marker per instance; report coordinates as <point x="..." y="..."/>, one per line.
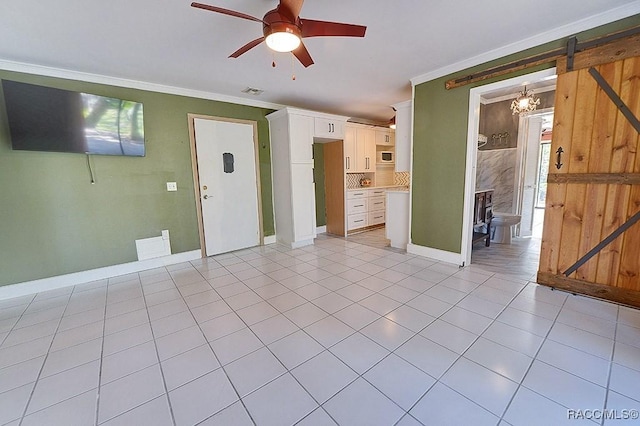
<point x="554" y="212"/>
<point x="334" y="187"/>
<point x="598" y="189"/>
<point x="620" y="295"/>
<point x="614" y="217"/>
<point x="583" y="123"/>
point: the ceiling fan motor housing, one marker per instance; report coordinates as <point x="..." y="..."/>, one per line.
<point x="275" y="22"/>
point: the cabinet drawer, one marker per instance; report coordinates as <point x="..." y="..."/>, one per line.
<point x="376" y="218"/>
<point x="377" y="192"/>
<point x="361" y="193"/>
<point x="355" y="221"/>
<point x="377" y="203"/>
<point x="357" y="205"/>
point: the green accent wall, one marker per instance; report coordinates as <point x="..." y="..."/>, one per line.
<point x="53" y="221"/>
<point x="318" y="177"/>
<point x="439" y="146"/>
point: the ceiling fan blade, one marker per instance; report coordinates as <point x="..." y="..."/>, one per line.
<point x="292" y="7"/>
<point x="312" y="28"/>
<point x="303" y="55"/>
<point x="247" y="47"/>
<point x="225" y="11"/>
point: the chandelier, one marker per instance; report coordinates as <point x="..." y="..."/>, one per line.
<point x="525" y="102"/>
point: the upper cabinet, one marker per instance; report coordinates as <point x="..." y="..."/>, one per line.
<point x="403" y="136"/>
<point x="385" y="136"/>
<point x="301" y="138"/>
<point x="330" y="129"/>
<point x="359" y="149"/>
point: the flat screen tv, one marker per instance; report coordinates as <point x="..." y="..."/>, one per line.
<point x="47" y="119"/>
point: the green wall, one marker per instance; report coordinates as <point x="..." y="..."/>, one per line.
<point x="53" y="221"/>
<point x="318" y="177"/>
<point x="439" y="146"/>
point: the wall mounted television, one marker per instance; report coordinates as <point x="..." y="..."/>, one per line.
<point x="47" y="119"/>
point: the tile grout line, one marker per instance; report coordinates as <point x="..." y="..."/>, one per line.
<point x="44" y="361"/>
<point x="153" y="336"/>
<point x="534" y="358"/>
<point x="613" y="352"/>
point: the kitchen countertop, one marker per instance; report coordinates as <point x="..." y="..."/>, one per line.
<point x="387" y="187"/>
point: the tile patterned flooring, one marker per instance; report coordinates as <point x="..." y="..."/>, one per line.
<point x="335" y="333"/>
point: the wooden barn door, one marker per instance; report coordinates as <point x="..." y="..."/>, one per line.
<point x="591" y="237"/>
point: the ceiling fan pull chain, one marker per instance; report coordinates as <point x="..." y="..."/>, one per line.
<point x="293" y="74"/>
<point x="273" y="59"/>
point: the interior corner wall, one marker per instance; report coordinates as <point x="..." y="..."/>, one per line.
<point x="439" y="146"/>
<point x="53" y="221"/>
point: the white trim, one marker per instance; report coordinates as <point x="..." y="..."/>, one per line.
<point x="131" y="84"/>
<point x="321" y="229"/>
<point x="84" y="277"/>
<point x="537" y="40"/>
<point x="473" y="126"/>
<point x="269" y="239"/>
<point x="435" y="254"/>
<point x="511" y="96"/>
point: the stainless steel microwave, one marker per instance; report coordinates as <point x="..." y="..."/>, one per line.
<point x="386" y="157"/>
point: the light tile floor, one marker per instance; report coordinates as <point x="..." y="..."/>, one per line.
<point x="335" y="333"/>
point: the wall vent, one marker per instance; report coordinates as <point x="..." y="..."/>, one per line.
<point x="253" y="91"/>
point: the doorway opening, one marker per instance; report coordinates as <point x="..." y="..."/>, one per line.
<point x="514" y="156"/>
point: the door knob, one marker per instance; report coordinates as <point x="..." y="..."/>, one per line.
<point x="206" y="197"/>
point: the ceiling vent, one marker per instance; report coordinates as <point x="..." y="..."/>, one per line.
<point x="253" y="91"/>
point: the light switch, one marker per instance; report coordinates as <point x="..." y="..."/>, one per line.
<point x="172" y="186"/>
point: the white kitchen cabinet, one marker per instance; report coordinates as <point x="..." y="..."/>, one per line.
<point x="329" y="129"/>
<point x="385" y="137"/>
<point x="292" y="133"/>
<point x="292" y="173"/>
<point x="365" y="207"/>
<point x="301" y="138"/>
<point x="349" y="148"/>
<point x="403" y="136"/>
<point x="359" y="149"/>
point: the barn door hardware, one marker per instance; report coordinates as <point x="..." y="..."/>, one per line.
<point x="615" y="234"/>
<point x="624" y="109"/>
<point x="571" y="52"/>
<point x="559" y="158"/>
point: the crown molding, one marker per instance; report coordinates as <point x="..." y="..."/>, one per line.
<point x="131" y="84"/>
<point x="537" y="40"/>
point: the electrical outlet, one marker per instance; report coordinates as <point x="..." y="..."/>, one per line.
<point x="172" y="186"/>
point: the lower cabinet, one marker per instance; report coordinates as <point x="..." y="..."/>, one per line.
<point x="365" y="207"/>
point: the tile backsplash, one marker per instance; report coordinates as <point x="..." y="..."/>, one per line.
<point x="402" y="178"/>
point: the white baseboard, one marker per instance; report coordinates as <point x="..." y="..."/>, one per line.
<point x="436" y="254"/>
<point x="270" y="239"/>
<point x="321" y="229"/>
<point x="83" y="277"/>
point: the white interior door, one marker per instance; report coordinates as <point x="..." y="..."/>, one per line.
<point x="530" y="174"/>
<point x="228" y="185"/>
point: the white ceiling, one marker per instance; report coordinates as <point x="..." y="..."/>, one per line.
<point x="172" y="44"/>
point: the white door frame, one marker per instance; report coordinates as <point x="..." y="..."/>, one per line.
<point x="522" y="158"/>
<point x="473" y="129"/>
<point x="196" y="178"/>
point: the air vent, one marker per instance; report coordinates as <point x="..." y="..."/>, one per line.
<point x="253" y="91"/>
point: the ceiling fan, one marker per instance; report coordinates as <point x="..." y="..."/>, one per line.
<point x="284" y="30"/>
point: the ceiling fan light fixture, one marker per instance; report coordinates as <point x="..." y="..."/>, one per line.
<point x="283" y="41"/>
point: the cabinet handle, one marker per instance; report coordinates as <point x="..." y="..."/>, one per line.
<point x="359" y="205"/>
<point x="361" y="220"/>
<point x="329" y="124"/>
